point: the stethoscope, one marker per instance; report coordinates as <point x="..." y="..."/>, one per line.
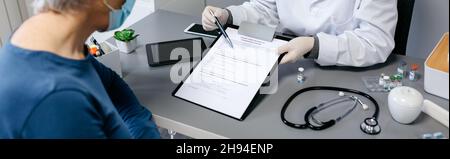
<point x="369" y="126"/>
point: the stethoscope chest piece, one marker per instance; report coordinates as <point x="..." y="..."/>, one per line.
<point x="370" y="126"/>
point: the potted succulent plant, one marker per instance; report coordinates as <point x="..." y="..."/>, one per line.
<point x="126" y="40"/>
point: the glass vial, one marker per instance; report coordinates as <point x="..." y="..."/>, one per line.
<point x="301" y="75"/>
<point x="413" y="74"/>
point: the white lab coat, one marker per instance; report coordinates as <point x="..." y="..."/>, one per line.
<point x="351" y="32"/>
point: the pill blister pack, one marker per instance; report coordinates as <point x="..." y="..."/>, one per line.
<point x="373" y="85"/>
<point x="437" y="135"/>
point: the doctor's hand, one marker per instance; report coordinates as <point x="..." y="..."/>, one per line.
<point x="296" y="49"/>
<point x="208" y="20"/>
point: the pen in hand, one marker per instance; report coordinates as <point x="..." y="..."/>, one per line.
<point x="219" y="25"/>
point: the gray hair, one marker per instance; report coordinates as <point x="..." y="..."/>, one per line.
<point x="58" y="5"/>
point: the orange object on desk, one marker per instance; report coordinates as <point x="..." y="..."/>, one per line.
<point x="93" y="50"/>
<point x="414" y="67"/>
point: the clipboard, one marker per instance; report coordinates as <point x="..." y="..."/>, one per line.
<point x="257" y="97"/>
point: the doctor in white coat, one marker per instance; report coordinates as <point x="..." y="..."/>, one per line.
<point x="333" y="32"/>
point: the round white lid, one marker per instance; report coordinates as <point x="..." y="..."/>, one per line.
<point x="406" y="97"/>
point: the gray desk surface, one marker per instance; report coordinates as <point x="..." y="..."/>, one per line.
<point x="153" y="87"/>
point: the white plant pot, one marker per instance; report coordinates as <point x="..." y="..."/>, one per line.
<point x="126" y="47"/>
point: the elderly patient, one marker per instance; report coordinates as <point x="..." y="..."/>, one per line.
<point x="51" y="88"/>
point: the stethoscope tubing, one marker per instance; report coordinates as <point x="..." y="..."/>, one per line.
<point x="331" y="122"/>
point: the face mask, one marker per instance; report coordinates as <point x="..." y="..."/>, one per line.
<point x="118" y="16"/>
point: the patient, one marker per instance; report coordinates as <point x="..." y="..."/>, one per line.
<point x="51" y="88"/>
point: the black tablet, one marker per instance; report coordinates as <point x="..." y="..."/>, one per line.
<point x="172" y="52"/>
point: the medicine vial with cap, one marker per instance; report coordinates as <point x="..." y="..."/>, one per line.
<point x="387" y="83"/>
<point x="413" y="74"/>
<point x="392" y="82"/>
<point x="301" y="75"/>
<point x="381" y="81"/>
<point x="401" y="70"/>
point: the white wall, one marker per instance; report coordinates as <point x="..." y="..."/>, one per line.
<point x="12" y="14"/>
<point x="430" y="21"/>
<point x="224" y="3"/>
<point x="4" y="28"/>
<point x="27" y="7"/>
<point x="189" y="7"/>
<point x="193" y="7"/>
